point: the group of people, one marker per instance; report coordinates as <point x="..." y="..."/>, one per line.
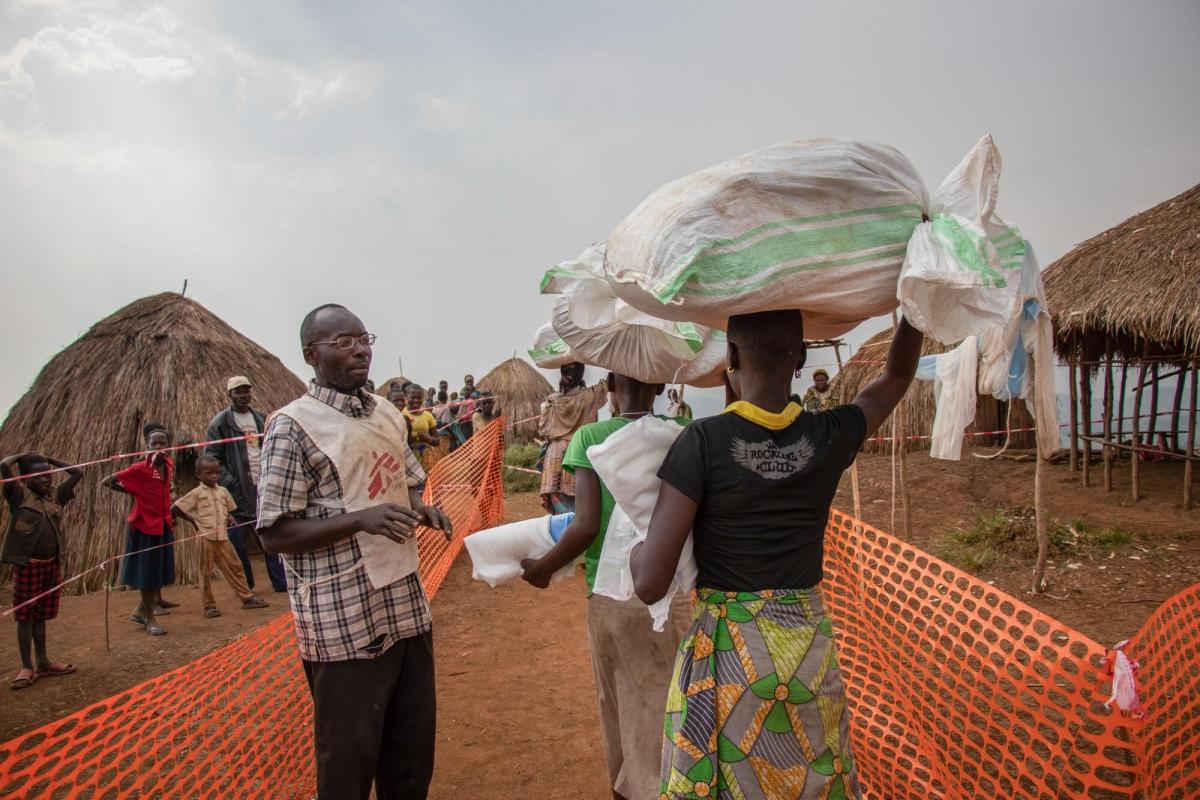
<point x="746" y="673"/>
<point x="439" y="421"/>
<point x="221" y="507"/>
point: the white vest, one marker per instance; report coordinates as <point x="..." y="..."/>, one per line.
<point x="368" y="454"/>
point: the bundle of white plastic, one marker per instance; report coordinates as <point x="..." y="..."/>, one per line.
<point x="549" y="351"/>
<point x="600" y="329"/>
<point x="496" y="553"/>
<point x="834" y="228"/>
<point x="628" y="462"/>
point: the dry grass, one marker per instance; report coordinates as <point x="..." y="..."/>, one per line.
<point x="521" y="390"/>
<point x="163" y="358"/>
<point x="1138" y="282"/>
<point x="919" y="405"/>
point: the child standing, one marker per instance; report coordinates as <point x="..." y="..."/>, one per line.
<point x="149" y="563"/>
<point x="209" y="507"/>
<point x="422" y="427"/>
<point x="32" y="545"/>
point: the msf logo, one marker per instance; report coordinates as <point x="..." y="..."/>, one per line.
<point x="385" y="471"/>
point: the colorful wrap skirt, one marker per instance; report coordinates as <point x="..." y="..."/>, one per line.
<point x="33" y="579"/>
<point x="556" y="480"/>
<point x="756" y="707"/>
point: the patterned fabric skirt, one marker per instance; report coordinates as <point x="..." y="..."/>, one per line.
<point x="30" y="580"/>
<point x="756" y="707"/>
<point x="556" y="480"/>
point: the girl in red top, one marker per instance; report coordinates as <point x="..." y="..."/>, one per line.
<point x="150" y="523"/>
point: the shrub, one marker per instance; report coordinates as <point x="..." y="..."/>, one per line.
<point x="521" y="455"/>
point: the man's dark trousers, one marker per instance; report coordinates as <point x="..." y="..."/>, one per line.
<point x="374" y="721"/>
<point x="237" y="537"/>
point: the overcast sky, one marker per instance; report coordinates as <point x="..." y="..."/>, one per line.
<point x="424" y="163"/>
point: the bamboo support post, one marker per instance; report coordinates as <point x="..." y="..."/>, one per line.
<point x="1152" y="428"/>
<point x="1108" y="413"/>
<point x="1072" y="369"/>
<point x="854" y="488"/>
<point x="1085" y="400"/>
<point x="1135" y="456"/>
<point x="1043" y="539"/>
<point x="1119" y="432"/>
<point x="1191" y="438"/>
<point x="1180" y="383"/>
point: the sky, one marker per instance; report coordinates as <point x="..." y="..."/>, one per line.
<point x="424" y="163"/>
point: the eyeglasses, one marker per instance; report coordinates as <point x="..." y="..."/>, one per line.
<point x="347" y="342"/>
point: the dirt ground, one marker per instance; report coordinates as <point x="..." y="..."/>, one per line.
<point x="516" y="709"/>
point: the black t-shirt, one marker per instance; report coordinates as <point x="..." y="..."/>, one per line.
<point x="763" y="495"/>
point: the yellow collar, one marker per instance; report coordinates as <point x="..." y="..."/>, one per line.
<point x="767" y="419"/>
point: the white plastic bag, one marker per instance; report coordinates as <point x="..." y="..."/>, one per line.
<point x="961" y="271"/>
<point x="821" y="225"/>
<point x="602" y="330"/>
<point x="549" y="351"/>
<point x="628" y="462"/>
<point x="496" y="553"/>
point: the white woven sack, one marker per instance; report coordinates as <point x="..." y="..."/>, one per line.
<point x="822" y="225"/>
<point x="549" y="351"/>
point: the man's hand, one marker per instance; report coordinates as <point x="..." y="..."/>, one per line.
<point x="533" y="574"/>
<point x="388" y="519"/>
<point x="434" y="517"/>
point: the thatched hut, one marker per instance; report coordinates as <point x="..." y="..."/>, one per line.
<point x="1130" y="298"/>
<point x="164" y="358"/>
<point x="990" y="414"/>
<point x="521" y="390"/>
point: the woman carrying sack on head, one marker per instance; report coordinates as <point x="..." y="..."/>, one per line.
<point x="756" y="707"/>
<point x="564" y="412"/>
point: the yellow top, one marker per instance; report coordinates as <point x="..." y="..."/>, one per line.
<point x="421" y="422"/>
<point x="210" y="506"/>
<point x="769" y="420"/>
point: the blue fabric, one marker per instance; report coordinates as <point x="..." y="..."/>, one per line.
<point x="152" y="569"/>
<point x="559" y="523"/>
<point x="927" y="368"/>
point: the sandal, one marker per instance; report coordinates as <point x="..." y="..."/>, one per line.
<point x="23" y="681"/>
<point x="137" y="619"/>
<point x="53" y="672"/>
<point x="255" y="602"/>
<point x="166" y="604"/>
<point x="155" y="630"/>
<point x="161" y="611"/>
<point x="212" y="611"/>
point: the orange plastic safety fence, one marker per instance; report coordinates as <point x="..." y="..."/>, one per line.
<point x="957" y="690"/>
<point x="236" y="723"/>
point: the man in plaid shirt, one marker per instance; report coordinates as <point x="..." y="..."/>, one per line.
<point x="363" y="623"/>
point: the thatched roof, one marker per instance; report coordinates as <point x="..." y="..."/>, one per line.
<point x="919" y="404"/>
<point x="521" y="390"/>
<point x="1138" y="282"/>
<point x="163" y="358"/>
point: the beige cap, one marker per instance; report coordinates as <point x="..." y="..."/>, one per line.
<point x="236" y="381"/>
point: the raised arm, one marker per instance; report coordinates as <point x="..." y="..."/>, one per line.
<point x="12" y="490"/>
<point x="652" y="563"/>
<point x="112" y="482"/>
<point x="882" y="395"/>
<point x="74" y="474"/>
<point x="578" y="536"/>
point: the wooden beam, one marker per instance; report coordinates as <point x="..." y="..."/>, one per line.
<point x="1085" y="400"/>
<point x="1135" y="456"/>
<point x="1108" y="413"/>
<point x="1191" y="439"/>
<point x="1074" y="413"/>
<point x="1043" y="539"/>
<point x="1180" y="383"/>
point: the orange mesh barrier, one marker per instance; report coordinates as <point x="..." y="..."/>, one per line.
<point x="957" y="690"/>
<point x="236" y="723"/>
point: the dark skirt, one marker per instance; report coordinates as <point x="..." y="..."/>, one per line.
<point x="152" y="569"/>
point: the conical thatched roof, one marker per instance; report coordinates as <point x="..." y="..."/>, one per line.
<point x="1139" y="282"/>
<point x="919" y="404"/>
<point x="521" y="390"/>
<point x="163" y="358"/>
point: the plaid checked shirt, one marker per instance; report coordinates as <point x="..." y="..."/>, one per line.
<point x="344" y="618"/>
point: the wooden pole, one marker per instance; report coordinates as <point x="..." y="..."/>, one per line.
<point x="899" y="433"/>
<point x="1108" y="431"/>
<point x="1072" y="369"/>
<point x="1135" y="456"/>
<point x="854" y="488"/>
<point x="1085" y="399"/>
<point x="1043" y="539"/>
<point x="1152" y="428"/>
<point x="1180" y="382"/>
<point x="1119" y="434"/>
<point x="1191" y="438"/>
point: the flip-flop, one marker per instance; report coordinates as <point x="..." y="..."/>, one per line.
<point x="21" y="682"/>
<point x="167" y="604"/>
<point x="65" y="669"/>
<point x="155" y="630"/>
<point x="160" y="611"/>
<point x="212" y="612"/>
<point x="255" y="602"/>
<point x="137" y="619"/>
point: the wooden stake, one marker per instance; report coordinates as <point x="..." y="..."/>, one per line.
<point x="1152" y="428"/>
<point x="1043" y="540"/>
<point x="1134" y="462"/>
<point x="1085" y="399"/>
<point x="1180" y="382"/>
<point x="1120" y="430"/>
<point x="1108" y="390"/>
<point x="854" y="491"/>
<point x="1074" y="413"/>
<point x="107" y="591"/>
<point x="1191" y="438"/>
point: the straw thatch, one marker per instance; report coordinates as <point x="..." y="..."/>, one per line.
<point x="919" y="404"/>
<point x="1138" y="282"/>
<point x="521" y="390"/>
<point x="163" y="358"/>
